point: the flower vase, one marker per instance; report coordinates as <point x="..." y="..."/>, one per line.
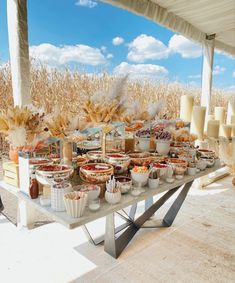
<point x="13" y="154"/>
<point x="67" y="153"/>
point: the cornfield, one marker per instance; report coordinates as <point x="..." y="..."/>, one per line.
<point x="68" y="88"/>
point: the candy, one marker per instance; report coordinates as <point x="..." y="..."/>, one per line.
<point x="140" y="169"/>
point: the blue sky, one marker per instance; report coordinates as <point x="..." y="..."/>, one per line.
<point x="97" y="37"/>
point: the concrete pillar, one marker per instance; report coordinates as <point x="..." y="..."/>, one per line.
<point x="207" y="71"/>
<point x="19" y="51"/>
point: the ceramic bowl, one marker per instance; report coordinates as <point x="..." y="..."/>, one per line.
<point x="210" y="161"/>
<point x="143" y="144"/>
<point x="36" y="162"/>
<point x="163" y="146"/>
<point x="140" y="158"/>
<point x="94" y="155"/>
<point x="75" y="208"/>
<point x="80" y="160"/>
<point x="125" y="183"/>
<point x="179" y="166"/>
<point x="201" y="165"/>
<point x="49" y="174"/>
<point x="206" y="153"/>
<point x="92" y="191"/>
<point x="176" y="149"/>
<point x="161" y="167"/>
<point x="157" y="158"/>
<point x="113" y="198"/>
<point x="139" y="178"/>
<point x="119" y="161"/>
<point x="96" y="173"/>
<point x="191" y="171"/>
<point x="153" y="183"/>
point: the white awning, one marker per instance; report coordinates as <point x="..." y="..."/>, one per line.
<point x="193" y="19"/>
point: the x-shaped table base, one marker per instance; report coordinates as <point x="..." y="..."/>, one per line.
<point x="114" y="245"/>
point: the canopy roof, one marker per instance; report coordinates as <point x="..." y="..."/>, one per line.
<point x="193" y="19"/>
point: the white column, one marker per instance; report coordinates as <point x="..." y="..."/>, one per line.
<point x="207" y="71"/>
<point x="19" y="52"/>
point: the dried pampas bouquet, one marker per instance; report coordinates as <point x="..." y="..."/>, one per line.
<point x="105" y="107"/>
<point x="23" y="126"/>
<point x="66" y="125"/>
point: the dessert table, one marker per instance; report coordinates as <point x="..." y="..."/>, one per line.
<point x="113" y="244"/>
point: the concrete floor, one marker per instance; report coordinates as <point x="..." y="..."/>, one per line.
<point x="199" y="247"/>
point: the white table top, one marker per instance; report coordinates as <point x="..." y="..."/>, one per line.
<point x="88" y="216"/>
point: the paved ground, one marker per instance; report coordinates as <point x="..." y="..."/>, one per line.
<point x="199" y="247"/>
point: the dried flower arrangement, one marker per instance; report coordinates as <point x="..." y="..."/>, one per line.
<point x="105" y="107"/>
<point x="23" y="127"/>
<point x="65" y="125"/>
<point x="135" y="111"/>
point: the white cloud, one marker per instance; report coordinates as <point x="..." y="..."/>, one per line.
<point x="233" y="75"/>
<point x="140" y="71"/>
<point x="185" y="47"/>
<point x="145" y="47"/>
<point x="109" y="56"/>
<point x="198" y="76"/>
<point x="117" y="40"/>
<point x="218" y="70"/>
<point x="54" y="56"/>
<point x="86" y="3"/>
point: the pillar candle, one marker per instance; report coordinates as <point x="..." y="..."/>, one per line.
<point x="233" y="130"/>
<point x="186" y="107"/>
<point x="198" y="121"/>
<point x="225" y="131"/>
<point x="231" y="111"/>
<point x="213" y="128"/>
<point x="208" y="118"/>
<point x="232" y="120"/>
<point x="220" y="114"/>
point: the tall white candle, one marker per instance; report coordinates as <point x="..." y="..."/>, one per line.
<point x="232" y="119"/>
<point x="220" y="114"/>
<point x="213" y="128"/>
<point x="225" y="131"/>
<point x="186" y="107"/>
<point x="208" y="118"/>
<point x="198" y="121"/>
<point x="231" y="110"/>
<point x="233" y="130"/>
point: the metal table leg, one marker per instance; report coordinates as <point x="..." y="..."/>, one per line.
<point x="99" y="240"/>
<point x="115" y="245"/>
<point x="133" y="211"/>
<point x="174" y="209"/>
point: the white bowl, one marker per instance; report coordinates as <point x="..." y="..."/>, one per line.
<point x="75" y="208"/>
<point x="113" y="198"/>
<point x="153" y="183"/>
<point x="192" y="171"/>
<point x="163" y="146"/>
<point x="144" y="144"/>
<point x="48" y="177"/>
<point x="125" y="183"/>
<point x="93" y="191"/>
<point x="201" y="164"/>
<point x="139" y="178"/>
